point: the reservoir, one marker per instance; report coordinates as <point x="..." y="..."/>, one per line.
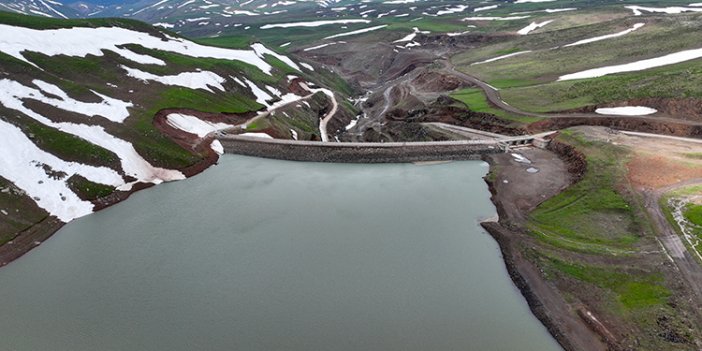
<point x="257" y="254"/>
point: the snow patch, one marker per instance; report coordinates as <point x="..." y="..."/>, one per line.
<point x="37" y="173"/>
<point x="313" y="23"/>
<point x="502" y="57"/>
<point x="194" y="125"/>
<point x="638" y="10"/>
<point x="533" y="26"/>
<point x="510" y="18"/>
<point x="608" y="36"/>
<point x="112" y="109"/>
<point x="261" y="50"/>
<point x="193" y="80"/>
<point x="485" y="8"/>
<point x="626" y="111"/>
<point x="217" y="147"/>
<point x="82" y="41"/>
<point x="359" y="31"/>
<point x="11" y="95"/>
<point x="257" y="135"/>
<point x="669" y="59"/>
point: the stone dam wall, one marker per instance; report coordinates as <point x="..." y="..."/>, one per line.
<point x="314" y="151"/>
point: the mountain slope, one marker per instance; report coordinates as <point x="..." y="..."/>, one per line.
<point x="77" y="106"/>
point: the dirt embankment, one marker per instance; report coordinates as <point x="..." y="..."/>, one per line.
<point x="665" y="127"/>
<point x="574" y="159"/>
<point x="515" y="193"/>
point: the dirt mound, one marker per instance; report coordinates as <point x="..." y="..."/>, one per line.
<point x="368" y="62"/>
<point x="573" y="159"/>
<point x="436" y="82"/>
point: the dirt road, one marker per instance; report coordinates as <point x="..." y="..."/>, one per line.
<point x="689" y="268"/>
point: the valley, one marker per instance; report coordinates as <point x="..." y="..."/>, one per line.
<point x="588" y="113"/>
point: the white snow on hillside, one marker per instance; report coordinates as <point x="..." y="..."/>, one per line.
<point x="626" y="111"/>
<point x="501" y="57"/>
<point x="485" y="8"/>
<point x="411" y="36"/>
<point x="313" y="23"/>
<point x="217" y="147"/>
<point x="510" y="18"/>
<point x="164" y="25"/>
<point x="608" y="36"/>
<point x="257" y="135"/>
<point x="544" y="10"/>
<point x="638" y="10"/>
<point x="23" y="164"/>
<point x="323" y="45"/>
<point x="669" y="59"/>
<point x="533" y="26"/>
<point x="112" y="109"/>
<point x="193" y="80"/>
<point x="261" y="50"/>
<point x="447" y="11"/>
<point x="194" y="125"/>
<point x="81" y="42"/>
<point x="11" y="96"/>
<point x="359" y="31"/>
<point x="261" y="96"/>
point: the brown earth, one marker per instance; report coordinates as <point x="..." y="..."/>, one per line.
<point x="656" y="162"/>
<point x="517" y="192"/>
<point x="658" y="171"/>
<point x="431" y="81"/>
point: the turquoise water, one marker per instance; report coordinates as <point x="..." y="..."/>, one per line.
<point x="259" y="254"/>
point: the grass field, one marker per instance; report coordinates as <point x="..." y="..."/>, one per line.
<point x="595" y="242"/>
<point x="684" y="215"/>
<point x="633" y="291"/>
<point x="592" y="215"/>
<point x="475" y="100"/>
<point x="693" y="213"/>
<point x="529" y="81"/>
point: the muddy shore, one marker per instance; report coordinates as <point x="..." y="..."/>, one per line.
<point x="566" y="325"/>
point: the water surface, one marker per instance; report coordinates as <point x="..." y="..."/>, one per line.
<point x="258" y="254"/>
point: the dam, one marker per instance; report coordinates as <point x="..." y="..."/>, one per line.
<point x="367" y="152"/>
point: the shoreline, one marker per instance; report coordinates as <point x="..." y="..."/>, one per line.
<point x="568" y="326"/>
<point x="43" y="231"/>
<point x="571" y="333"/>
<point x="33" y="236"/>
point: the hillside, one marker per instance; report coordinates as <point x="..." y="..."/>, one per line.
<point x="91" y="110"/>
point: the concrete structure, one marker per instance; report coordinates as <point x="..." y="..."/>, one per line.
<point x="316" y="151"/>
